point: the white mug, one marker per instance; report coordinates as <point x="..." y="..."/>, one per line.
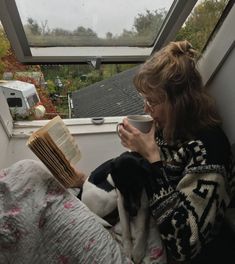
<point x="142" y="122"/>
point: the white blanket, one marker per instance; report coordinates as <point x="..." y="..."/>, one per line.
<point x="42" y="222"/>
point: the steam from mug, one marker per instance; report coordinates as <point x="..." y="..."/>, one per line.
<point x="142" y="122"/>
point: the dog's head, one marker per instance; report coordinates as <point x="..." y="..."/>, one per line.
<point x="128" y="175"/>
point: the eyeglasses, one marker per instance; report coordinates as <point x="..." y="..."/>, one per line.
<point x="150" y="104"/>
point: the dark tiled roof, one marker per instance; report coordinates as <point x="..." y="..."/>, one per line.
<point x="116" y="96"/>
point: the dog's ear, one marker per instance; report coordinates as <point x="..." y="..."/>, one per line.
<point x="126" y="170"/>
<point x="100" y="174"/>
<point x="119" y="172"/>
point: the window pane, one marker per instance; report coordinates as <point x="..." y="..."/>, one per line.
<point x="201" y="22"/>
<point x="92" y="22"/>
<point x="32" y="100"/>
<point x="14" y="102"/>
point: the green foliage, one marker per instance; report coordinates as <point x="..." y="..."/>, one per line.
<point x="33" y="26"/>
<point x="146" y="24"/>
<point x="60" y="32"/>
<point x="201" y="22"/>
<point x="4" y="47"/>
<point x="145" y="28"/>
<point x="81" y="31"/>
<point x="142" y="32"/>
<point x="51" y="87"/>
<point x="197" y="29"/>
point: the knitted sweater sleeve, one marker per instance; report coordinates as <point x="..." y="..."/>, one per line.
<point x="189" y="213"/>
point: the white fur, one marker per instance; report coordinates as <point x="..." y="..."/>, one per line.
<point x="134" y="230"/>
<point x="97" y="200"/>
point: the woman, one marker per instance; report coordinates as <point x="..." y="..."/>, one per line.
<point x="190" y="184"/>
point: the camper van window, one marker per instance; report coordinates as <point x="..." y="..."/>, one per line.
<point x="14" y="102"/>
<point x="32" y="100"/>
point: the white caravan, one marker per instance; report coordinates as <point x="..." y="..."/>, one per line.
<point x="20" y="96"/>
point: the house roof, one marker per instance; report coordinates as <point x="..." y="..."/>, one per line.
<point x="18" y="86"/>
<point x="115" y="96"/>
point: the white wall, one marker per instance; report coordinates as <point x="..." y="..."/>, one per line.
<point x="5" y="129"/>
<point x="223" y="88"/>
<point x="95" y="149"/>
<point x="4" y="145"/>
<point x="217" y="67"/>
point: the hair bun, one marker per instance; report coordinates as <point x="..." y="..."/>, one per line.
<point x="180" y="48"/>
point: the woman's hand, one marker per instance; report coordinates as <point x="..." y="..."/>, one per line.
<point x="135" y="140"/>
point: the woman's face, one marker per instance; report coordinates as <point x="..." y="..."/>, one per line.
<point x="156" y="109"/>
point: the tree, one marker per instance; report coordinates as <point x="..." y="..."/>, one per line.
<point x="149" y="22"/>
<point x="51" y="88"/>
<point x="33" y="26"/>
<point x="201" y="22"/>
<point x="145" y="27"/>
<point x="127" y="34"/>
<point x="8" y="61"/>
<point x="45" y="29"/>
<point x="4" y="48"/>
<point x="84" y="32"/>
<point x="60" y="32"/>
<point x="109" y="35"/>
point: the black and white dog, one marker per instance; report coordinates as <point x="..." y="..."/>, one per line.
<point x="116" y="188"/>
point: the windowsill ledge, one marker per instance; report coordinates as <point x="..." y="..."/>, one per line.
<point x="78" y="126"/>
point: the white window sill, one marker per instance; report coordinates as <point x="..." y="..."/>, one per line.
<point x="76" y="126"/>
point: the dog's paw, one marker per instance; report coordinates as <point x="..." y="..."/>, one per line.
<point x="138" y="253"/>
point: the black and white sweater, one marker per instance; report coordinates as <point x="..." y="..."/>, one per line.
<point x="189" y="190"/>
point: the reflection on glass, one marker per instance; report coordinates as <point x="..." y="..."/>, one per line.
<point x="92" y="22"/>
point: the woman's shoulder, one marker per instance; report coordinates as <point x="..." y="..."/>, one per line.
<point x="214" y="139"/>
<point x="212" y="133"/>
<point x="214" y="145"/>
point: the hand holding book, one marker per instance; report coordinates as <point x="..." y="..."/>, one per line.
<point x="56" y="148"/>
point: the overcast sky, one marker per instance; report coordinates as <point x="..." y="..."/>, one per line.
<point x="102" y="16"/>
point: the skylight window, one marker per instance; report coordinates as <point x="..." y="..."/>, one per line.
<point x="90" y="23"/>
<point x="80" y="31"/>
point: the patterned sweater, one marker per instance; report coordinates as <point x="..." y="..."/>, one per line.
<point x="189" y="190"/>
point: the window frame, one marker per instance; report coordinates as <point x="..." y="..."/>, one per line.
<point x="216" y="52"/>
<point x="11" y="21"/>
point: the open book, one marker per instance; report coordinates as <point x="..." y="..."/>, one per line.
<point x="56" y="148"/>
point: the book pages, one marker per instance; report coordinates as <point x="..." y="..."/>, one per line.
<point x="61" y="136"/>
<point x="57" y="149"/>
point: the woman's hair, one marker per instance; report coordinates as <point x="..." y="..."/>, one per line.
<point x="171" y="74"/>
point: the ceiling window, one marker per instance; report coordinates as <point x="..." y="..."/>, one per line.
<point x="81" y="31"/>
<point x="90" y="23"/>
<point x="86" y="51"/>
